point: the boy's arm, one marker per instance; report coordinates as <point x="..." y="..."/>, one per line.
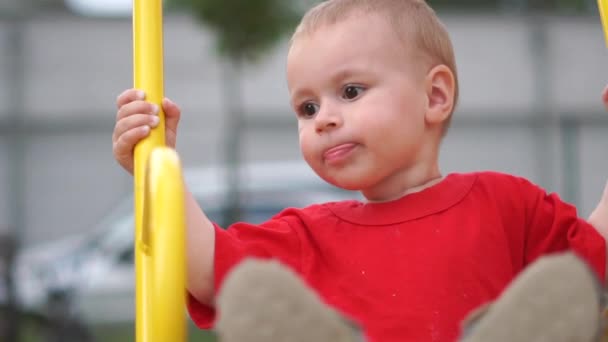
<point x="599" y="220"/>
<point x="200" y="251"/>
<point x="599" y="216"/>
<point x="134" y="119"/>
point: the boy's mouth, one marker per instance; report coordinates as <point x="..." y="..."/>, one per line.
<point x="338" y="153"/>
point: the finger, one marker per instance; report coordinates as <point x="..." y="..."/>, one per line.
<point x="172" y="112"/>
<point x="136" y="107"/>
<point x="123" y="147"/>
<point x="130" y="122"/>
<point x="129" y="95"/>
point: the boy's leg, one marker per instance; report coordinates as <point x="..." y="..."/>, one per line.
<point x="556" y="299"/>
<point x="263" y="301"/>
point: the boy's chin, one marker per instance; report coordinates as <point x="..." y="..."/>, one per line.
<point x="349" y="177"/>
<point x="344" y="181"/>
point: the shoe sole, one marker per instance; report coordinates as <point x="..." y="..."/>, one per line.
<point x="262" y="301"/>
<point x="556" y="299"/>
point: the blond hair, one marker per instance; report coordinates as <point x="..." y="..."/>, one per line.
<point x="413" y="20"/>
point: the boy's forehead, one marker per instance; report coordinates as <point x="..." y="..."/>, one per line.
<point x="354" y="36"/>
<point x="362" y="29"/>
<point x="343" y="49"/>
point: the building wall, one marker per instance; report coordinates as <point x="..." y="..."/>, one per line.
<point x="521" y="77"/>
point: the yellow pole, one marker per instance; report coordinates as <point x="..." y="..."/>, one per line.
<point x="163" y="248"/>
<point x="603" y="7"/>
<point x="148" y="76"/>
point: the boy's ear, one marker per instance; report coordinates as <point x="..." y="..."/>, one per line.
<point x="440" y="89"/>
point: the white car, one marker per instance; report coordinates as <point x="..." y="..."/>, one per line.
<point x="98" y="269"/>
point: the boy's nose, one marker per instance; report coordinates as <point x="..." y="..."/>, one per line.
<point x="328" y="119"/>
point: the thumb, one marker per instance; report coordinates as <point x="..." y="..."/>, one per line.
<point x="172" y="113"/>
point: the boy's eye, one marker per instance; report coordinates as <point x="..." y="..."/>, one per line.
<point x="351" y="92"/>
<point x="309" y="109"/>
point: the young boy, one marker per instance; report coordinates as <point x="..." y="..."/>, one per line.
<point x="373" y="84"/>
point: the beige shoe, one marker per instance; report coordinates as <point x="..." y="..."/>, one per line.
<point x="556" y="299"/>
<point x="263" y="301"/>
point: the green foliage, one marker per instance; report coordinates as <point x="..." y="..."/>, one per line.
<point x="245" y="29"/>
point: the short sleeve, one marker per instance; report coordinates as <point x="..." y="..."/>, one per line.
<point x="277" y="239"/>
<point x="554" y="226"/>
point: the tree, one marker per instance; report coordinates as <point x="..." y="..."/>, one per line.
<point x="244" y="31"/>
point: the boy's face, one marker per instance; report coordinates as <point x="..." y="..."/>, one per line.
<point x="360" y="101"/>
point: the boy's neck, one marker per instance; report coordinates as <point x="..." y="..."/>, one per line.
<point x="404" y="182"/>
<point x="421" y="174"/>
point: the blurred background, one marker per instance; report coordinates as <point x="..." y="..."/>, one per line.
<point x="531" y="75"/>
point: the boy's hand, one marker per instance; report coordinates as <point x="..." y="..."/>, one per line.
<point x="134" y="120"/>
<point x="605" y="97"/>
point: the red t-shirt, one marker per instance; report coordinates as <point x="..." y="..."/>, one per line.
<point x="412" y="269"/>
